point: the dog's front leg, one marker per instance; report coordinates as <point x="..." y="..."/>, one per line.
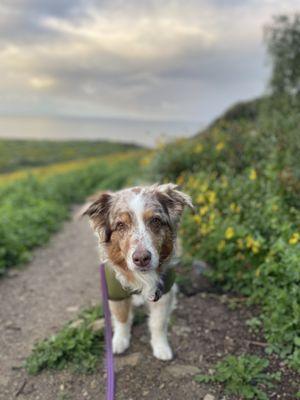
<point x="158" y="323"/>
<point x="122" y="321"/>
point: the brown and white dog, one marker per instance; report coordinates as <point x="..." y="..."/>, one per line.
<point x="137" y="230"/>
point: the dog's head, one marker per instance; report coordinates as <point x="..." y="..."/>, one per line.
<point x="137" y="226"/>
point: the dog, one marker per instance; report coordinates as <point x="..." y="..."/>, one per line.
<point x="137" y="230"/>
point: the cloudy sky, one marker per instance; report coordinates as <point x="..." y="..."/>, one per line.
<point x="178" y="61"/>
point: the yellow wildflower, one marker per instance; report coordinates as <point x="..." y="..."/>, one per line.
<point x="221" y="245"/>
<point x="197" y="219"/>
<point x="200" y="199"/>
<point x="255" y="247"/>
<point x="180" y="180"/>
<point x="220" y="146"/>
<point x="229" y="233"/>
<point x="294" y="239"/>
<point x="145" y="161"/>
<point x="211" y="196"/>
<point x="199" y="148"/>
<point x="232" y="207"/>
<point x="249" y="241"/>
<point x="203" y="210"/>
<point x="252" y="174"/>
<point x="204" y="230"/>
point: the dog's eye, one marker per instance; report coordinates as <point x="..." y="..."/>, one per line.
<point x="120" y="226"/>
<point x="156" y="222"/>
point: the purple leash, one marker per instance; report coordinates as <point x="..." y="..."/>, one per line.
<point x="110" y="387"/>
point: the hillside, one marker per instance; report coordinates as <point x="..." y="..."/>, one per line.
<point x="16" y="154"/>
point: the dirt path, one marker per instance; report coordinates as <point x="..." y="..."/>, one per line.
<point x="63" y="278"/>
<point x="38" y="299"/>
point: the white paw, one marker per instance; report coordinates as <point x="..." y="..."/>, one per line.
<point x="162" y="351"/>
<point x="120" y="343"/>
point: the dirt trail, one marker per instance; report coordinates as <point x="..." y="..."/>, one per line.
<point x="63" y="278"/>
<point x="38" y="299"/>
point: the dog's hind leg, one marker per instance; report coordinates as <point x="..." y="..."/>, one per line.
<point x="160" y="312"/>
<point x="122" y="317"/>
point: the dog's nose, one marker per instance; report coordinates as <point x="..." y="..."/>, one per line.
<point x="141" y="258"/>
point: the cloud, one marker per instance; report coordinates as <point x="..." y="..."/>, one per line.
<point x="145" y="59"/>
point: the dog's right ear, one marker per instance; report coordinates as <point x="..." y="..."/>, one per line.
<point x="98" y="211"/>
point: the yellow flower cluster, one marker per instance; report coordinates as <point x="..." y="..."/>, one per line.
<point x="235" y="208"/>
<point x="198" y="148"/>
<point x="229" y="233"/>
<point x="295" y="238"/>
<point x="252" y="174"/>
<point x="220" y="146"/>
<point x="252" y="244"/>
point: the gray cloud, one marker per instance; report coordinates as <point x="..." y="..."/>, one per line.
<point x="147" y="59"/>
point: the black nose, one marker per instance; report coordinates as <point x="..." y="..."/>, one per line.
<point x="141" y="258"/>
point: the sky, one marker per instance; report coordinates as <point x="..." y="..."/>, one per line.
<point x="70" y="68"/>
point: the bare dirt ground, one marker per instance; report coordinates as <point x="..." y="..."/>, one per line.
<point x="61" y="280"/>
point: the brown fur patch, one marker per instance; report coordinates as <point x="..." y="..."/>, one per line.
<point x="120" y="309"/>
<point x="136" y="190"/>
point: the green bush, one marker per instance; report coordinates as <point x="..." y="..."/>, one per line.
<point x="244" y="179"/>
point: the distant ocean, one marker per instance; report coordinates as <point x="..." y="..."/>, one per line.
<point x="67" y="128"/>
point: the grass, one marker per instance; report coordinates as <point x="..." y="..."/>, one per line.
<point x="17" y="154"/>
<point x="243" y="376"/>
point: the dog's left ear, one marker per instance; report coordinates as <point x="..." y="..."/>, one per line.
<point x="174" y="200"/>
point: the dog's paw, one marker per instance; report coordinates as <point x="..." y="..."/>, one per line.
<point x="162" y="351"/>
<point x="120" y="344"/>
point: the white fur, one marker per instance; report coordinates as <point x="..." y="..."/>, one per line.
<point x="145" y="282"/>
<point x="122" y="334"/>
<point x="158" y="323"/>
<point x="159" y="315"/>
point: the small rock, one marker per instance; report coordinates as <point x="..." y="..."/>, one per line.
<point x="73" y="309"/>
<point x="181" y="330"/>
<point x="97" y="325"/>
<point x="145" y="392"/>
<point x="209" y="397"/>
<point x="76" y="324"/>
<point x="131" y="360"/>
<point x="180" y="371"/>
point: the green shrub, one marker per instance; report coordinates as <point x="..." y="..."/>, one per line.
<point x="243" y="376"/>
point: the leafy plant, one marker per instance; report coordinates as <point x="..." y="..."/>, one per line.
<point x="243" y="376"/>
<point x="78" y="346"/>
